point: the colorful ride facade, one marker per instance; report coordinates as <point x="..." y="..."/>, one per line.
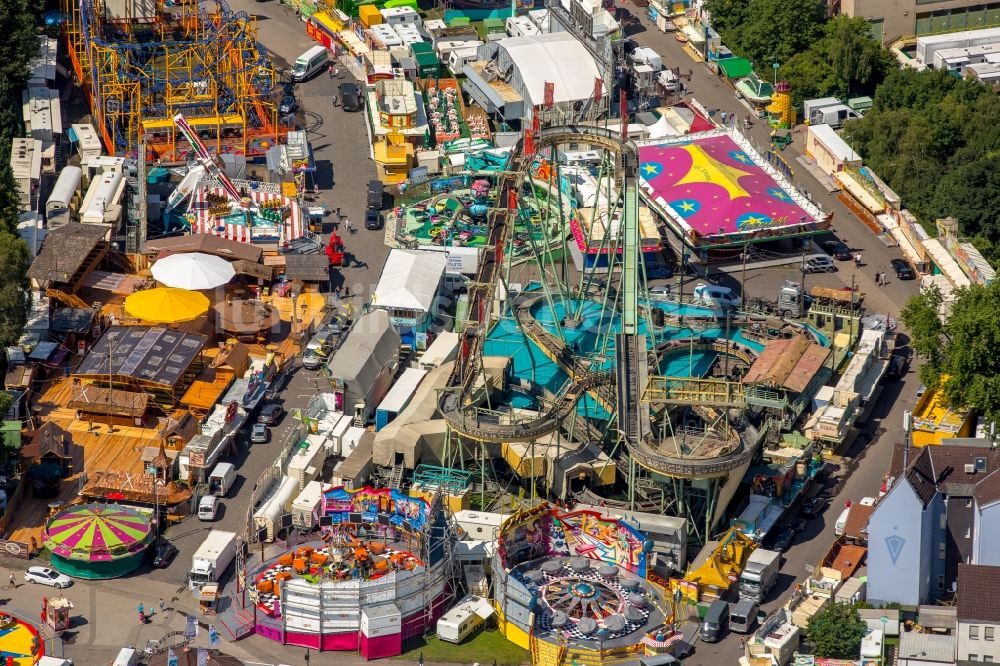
<point x="382" y="574"/>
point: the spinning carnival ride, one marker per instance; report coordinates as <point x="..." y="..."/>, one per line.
<point x="254" y="212"/>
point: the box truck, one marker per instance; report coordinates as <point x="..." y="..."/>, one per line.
<point x="759" y="574"/>
<point x="212" y="558"/>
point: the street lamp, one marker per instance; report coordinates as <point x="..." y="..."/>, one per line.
<point x="775" y="66"/>
<point x="885" y="619"/>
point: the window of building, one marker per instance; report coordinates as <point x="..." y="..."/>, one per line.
<point x="980" y="464"/>
<point x="988" y="633"/>
<point x="974" y="632"/>
<point x="988" y="658"/>
<point x="940" y="582"/>
<point x="877" y="27"/>
<point x="973" y="657"/>
<point x="941" y="550"/>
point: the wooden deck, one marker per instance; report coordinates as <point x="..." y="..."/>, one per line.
<point x="93" y="451"/>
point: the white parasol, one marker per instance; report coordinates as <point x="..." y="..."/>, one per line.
<point x="193" y="270"/>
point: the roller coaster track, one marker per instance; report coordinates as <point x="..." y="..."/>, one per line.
<point x="470" y="421"/>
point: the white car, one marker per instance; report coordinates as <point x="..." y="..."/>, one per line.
<point x="47" y="576"/>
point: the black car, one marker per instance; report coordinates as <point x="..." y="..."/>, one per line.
<point x="163" y="554"/>
<point x="783" y="540"/>
<point x="350" y="96"/>
<point x="812" y="507"/>
<point x="902" y="269"/>
<point x="838" y="250"/>
<point x="373" y="220"/>
<point x="271" y="414"/>
<point x="898" y="366"/>
<point x="288" y="105"/>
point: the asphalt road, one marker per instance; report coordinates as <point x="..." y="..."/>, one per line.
<point x="867" y="461"/>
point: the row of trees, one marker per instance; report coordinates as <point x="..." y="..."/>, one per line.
<point x="819" y="58"/>
<point x="960" y="350"/>
<point x="18" y="46"/>
<point x="934" y="139"/>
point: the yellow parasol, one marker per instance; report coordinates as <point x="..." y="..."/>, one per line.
<point x="166" y="305"/>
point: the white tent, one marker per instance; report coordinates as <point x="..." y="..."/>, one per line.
<point x="410" y="280"/>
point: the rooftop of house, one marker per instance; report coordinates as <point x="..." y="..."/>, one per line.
<point x="958" y="470"/>
<point x="977" y="585"/>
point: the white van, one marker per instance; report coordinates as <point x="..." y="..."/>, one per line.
<point x="841" y="524"/>
<point x="716" y="296"/>
<point x="208" y="506"/>
<point x="312" y="62"/>
<point x="455" y="283"/>
<point x="221" y="479"/>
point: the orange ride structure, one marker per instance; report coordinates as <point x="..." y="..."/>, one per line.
<point x="141" y="62"/>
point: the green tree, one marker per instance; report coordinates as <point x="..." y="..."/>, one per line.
<point x="810" y="75"/>
<point x="10" y="197"/>
<point x="858" y="61"/>
<point x="10" y="112"/>
<point x="836" y="632"/>
<point x="20" y="41"/>
<point x="971" y="194"/>
<point x="15" y="298"/>
<point x="767" y="31"/>
<point x="922" y="316"/>
<point x="960" y="351"/>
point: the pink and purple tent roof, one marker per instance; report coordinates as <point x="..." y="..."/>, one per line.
<point x="714" y="187"/>
<point x="97" y="533"/>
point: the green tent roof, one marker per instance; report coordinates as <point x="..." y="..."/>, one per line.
<point x="735" y="68"/>
<point x="10" y="434"/>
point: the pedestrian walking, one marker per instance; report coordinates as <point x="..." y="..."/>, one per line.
<point x="13" y="581"/>
<point x="162" y="604"/>
<point x="878" y="278"/>
<point x="339" y="216"/>
<point x="336" y="292"/>
<point x="347" y="291"/>
<point x="857" y="260"/>
<point x="141" y="608"/>
<point x="723" y="114"/>
<point x="330" y="71"/>
<point x="882" y="279"/>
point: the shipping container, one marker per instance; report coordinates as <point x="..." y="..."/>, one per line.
<point x="398" y="397"/>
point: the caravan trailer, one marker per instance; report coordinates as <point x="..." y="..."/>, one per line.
<point x="306" y="508"/>
<point x="103" y="201"/>
<point x="88" y="144"/>
<point x="269" y="518"/>
<point x="470" y="614"/>
<point x="521" y="26"/>
<point x="64" y="198"/>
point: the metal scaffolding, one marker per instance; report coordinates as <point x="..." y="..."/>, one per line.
<point x="141" y="62"/>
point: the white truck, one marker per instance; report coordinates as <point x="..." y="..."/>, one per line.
<point x="759" y="574"/>
<point x="212" y="558"/>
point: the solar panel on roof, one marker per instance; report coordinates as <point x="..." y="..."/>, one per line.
<point x="153" y="354"/>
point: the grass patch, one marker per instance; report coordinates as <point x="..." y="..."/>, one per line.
<point x="482" y="646"/>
